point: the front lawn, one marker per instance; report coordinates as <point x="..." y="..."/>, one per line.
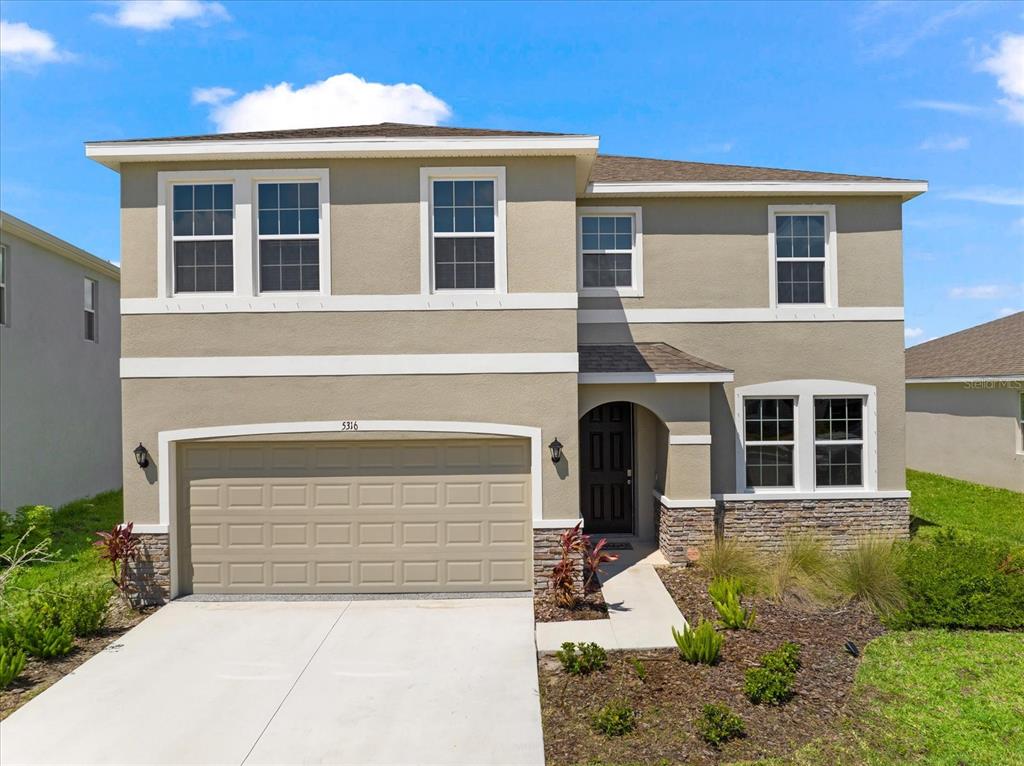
<point x="939" y="501"/>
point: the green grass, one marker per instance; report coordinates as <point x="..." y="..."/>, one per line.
<point x="74" y="531"/>
<point x="941" y="501"/>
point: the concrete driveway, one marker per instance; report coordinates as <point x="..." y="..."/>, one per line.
<point x="445" y="681"/>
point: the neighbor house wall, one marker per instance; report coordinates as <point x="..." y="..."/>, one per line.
<point x="60" y="403"/>
<point x="967" y="430"/>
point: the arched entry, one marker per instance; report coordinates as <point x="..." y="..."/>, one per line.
<point x="607" y="452"/>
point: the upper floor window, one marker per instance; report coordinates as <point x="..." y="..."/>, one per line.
<point x="803" y="254"/>
<point x="202" y="237"/>
<point x="289" y="237"/>
<point x="465" y="230"/>
<point x="609" y="251"/>
<point x="92" y="289"/>
<point x="3" y="284"/>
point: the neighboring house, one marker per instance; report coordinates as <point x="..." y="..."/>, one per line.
<point x="965" y="404"/>
<point x="60" y="395"/>
<point x="405" y="358"/>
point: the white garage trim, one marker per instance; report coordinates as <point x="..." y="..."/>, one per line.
<point x="168" y="473"/>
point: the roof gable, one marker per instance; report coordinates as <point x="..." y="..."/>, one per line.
<point x="993" y="349"/>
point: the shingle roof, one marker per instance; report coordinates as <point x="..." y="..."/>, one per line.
<point x="379" y="130"/>
<point x="992" y="349"/>
<point x="610" y="168"/>
<point x="641" y="357"/>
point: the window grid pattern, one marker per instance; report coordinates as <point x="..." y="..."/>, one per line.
<point x="463" y="221"/>
<point x="769" y="430"/>
<point x="607" y="250"/>
<point x="202" y="233"/>
<point x="800" y="244"/>
<point x="289" y="236"/>
<point x="839" y="442"/>
<point x="90" y="298"/>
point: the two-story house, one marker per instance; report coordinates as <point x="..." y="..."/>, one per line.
<point x="397" y="358"/>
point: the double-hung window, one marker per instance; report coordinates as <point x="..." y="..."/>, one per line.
<point x="91" y="299"/>
<point x="802" y="240"/>
<point x="202" y="225"/>
<point x="609" y="251"/>
<point x="839" y="442"/>
<point x="289" y="237"/>
<point x="770" y="441"/>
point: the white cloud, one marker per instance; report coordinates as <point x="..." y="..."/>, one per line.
<point x="150" y="15"/>
<point x="23" y="45"/>
<point x="214" y="95"/>
<point x="909" y="333"/>
<point x="945" y="106"/>
<point x="989" y="195"/>
<point x="945" y="144"/>
<point x="982" y="292"/>
<point x="343" y="99"/>
<point x="1007" y="64"/>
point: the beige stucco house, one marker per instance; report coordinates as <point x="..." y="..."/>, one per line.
<point x="396" y="358"/>
<point x="965" y="404"/>
<point x="60" y="395"/>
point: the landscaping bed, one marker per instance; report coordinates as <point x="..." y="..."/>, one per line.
<point x="670" y="696"/>
<point x="591" y="606"/>
<point x="38" y="675"/>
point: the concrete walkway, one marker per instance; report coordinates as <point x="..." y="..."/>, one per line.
<point x="343" y="682"/>
<point x="641" y="612"/>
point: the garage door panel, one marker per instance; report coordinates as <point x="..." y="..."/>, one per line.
<point x="368" y="517"/>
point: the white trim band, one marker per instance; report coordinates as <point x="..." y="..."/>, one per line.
<point x="217" y="304"/>
<point x="555" y="523"/>
<point x="906" y="189"/>
<point x="767" y="496"/>
<point x="689" y="439"/>
<point x="374" y="364"/>
<point x="671" y="503"/>
<point x="675" y="316"/>
<point x="971" y="379"/>
<point x="591" y="378"/>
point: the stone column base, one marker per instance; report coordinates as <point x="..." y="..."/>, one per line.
<point x="150" y="575"/>
<point x="683" y="530"/>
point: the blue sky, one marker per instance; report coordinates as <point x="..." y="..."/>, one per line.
<point x="918" y="90"/>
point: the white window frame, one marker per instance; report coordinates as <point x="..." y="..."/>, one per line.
<point x="636" y="289"/>
<point x="780" y="443"/>
<point x="94" y="294"/>
<point x="5" y="303"/>
<point x="427" y="177"/>
<point x="244" y="228"/>
<point x="840" y="442"/>
<point x="804" y="392"/>
<point x="831" y="258"/>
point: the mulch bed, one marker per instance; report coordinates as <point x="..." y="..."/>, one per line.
<point x="671" y="696"/>
<point x="39" y="675"/>
<point x="590" y="607"/>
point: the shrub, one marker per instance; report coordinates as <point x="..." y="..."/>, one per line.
<point x="582" y="659"/>
<point x="614" y="719"/>
<point x="576" y="549"/>
<point x="639" y="668"/>
<point x="717" y="724"/>
<point x="12" y="661"/>
<point x="728" y="558"/>
<point x="785" y="659"/>
<point x="120" y="547"/>
<point x="869" y="574"/>
<point x="702" y="644"/>
<point x="804" y="568"/>
<point x="593" y="557"/>
<point x="38" y="636"/>
<point x="955" y="581"/>
<point x="34" y="523"/>
<point x="80" y="606"/>
<point x="725" y="595"/>
<point x="772" y="682"/>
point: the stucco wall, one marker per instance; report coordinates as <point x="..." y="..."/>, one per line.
<point x="60" y="402"/>
<point x="968" y="431"/>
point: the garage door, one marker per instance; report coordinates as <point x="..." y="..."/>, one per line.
<point x="372" y="517"/>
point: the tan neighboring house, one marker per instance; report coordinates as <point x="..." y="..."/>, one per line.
<point x="965" y="404"/>
<point x="60" y="393"/>
<point x="397" y="358"/>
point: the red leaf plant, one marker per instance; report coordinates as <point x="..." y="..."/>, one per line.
<point x="594" y="557"/>
<point x="120" y="548"/>
<point x="575" y="549"/>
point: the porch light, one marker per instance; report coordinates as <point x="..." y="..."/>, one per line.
<point x="141" y="456"/>
<point x="556" y="450"/>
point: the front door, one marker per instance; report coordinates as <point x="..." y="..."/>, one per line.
<point x="606" y="472"/>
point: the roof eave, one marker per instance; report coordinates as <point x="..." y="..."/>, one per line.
<point x="905" y="189"/>
<point x="50" y="243"/>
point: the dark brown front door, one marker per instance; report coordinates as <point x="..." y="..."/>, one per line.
<point x="606" y="473"/>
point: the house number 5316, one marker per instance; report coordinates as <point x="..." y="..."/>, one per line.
<point x="350" y="425"/>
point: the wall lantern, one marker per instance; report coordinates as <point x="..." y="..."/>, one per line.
<point x="141" y="456"/>
<point x="556" y="450"/>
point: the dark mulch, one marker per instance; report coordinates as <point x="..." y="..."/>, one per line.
<point x="39" y="675"/>
<point x="671" y="696"/>
<point x="591" y="607"/>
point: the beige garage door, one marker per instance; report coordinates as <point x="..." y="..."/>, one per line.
<point x="370" y="517"/>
